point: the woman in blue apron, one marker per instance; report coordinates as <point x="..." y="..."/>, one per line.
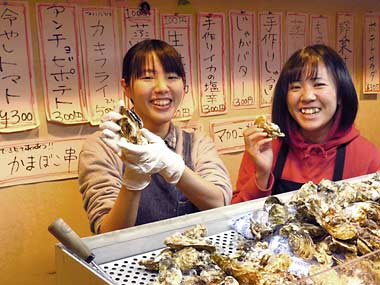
<point x="171" y="173"/>
<point x="315" y="105"/>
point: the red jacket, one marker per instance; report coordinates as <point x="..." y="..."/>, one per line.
<point x="310" y="162"/>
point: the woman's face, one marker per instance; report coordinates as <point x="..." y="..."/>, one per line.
<point x="312" y="104"/>
<point x="156" y="95"/>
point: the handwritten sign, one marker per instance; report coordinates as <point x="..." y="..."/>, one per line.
<point x="296" y="30"/>
<point x="211" y="52"/>
<point x="138" y="26"/>
<point x="345" y="39"/>
<point x="39" y="160"/>
<point x="243" y="59"/>
<point x="61" y="63"/>
<point x="371" y="61"/>
<point x="18" y="109"/>
<point x="102" y="61"/>
<point x="176" y="30"/>
<point x="319" y="29"/>
<point x="270" y="54"/>
<point x="228" y="134"/>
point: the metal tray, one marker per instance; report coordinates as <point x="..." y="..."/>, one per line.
<point x="118" y="252"/>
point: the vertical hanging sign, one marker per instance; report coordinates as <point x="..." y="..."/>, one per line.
<point x="371" y="61"/>
<point x="61" y="63"/>
<point x="101" y="53"/>
<point x="345" y="39"/>
<point x="319" y="32"/>
<point x="243" y="60"/>
<point x="270" y="54"/>
<point x="138" y="26"/>
<point x="211" y="59"/>
<point x="296" y="27"/>
<point x="176" y="30"/>
<point x="18" y="106"/>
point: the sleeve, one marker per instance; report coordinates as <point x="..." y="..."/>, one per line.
<point x="208" y="164"/>
<point x="246" y="187"/>
<point x="99" y="177"/>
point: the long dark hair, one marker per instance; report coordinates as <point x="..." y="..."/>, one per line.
<point x="307" y="60"/>
<point x="139" y="55"/>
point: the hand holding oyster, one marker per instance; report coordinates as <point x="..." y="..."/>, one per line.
<point x="272" y="130"/>
<point x="131" y="125"/>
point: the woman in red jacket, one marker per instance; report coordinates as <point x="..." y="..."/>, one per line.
<point x="315" y="105"/>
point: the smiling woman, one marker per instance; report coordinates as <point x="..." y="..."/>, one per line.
<point x="176" y="172"/>
<point x="315" y="105"/>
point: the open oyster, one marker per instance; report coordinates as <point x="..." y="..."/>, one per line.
<point x="131" y="125"/>
<point x="270" y="128"/>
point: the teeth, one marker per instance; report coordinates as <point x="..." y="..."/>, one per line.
<point x="310" y="111"/>
<point x="161" y="102"/>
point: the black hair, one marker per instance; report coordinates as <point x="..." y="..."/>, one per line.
<point x="307" y="60"/>
<point x="139" y="55"/>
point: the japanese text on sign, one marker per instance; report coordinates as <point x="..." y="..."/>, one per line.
<point x="18" y="106"/>
<point x="296" y="28"/>
<point x="228" y="134"/>
<point x="270" y="54"/>
<point x="345" y="39"/>
<point x="176" y="30"/>
<point x="102" y="60"/>
<point x="319" y="29"/>
<point x="211" y="51"/>
<point x="371" y="61"/>
<point x="60" y="56"/>
<point x="243" y="60"/>
<point x="37" y="161"/>
<point x="138" y="26"/>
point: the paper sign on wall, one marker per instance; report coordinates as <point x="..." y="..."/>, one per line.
<point x="228" y="134"/>
<point x="39" y="160"/>
<point x="18" y="106"/>
<point x="61" y="63"/>
<point x="100" y="46"/>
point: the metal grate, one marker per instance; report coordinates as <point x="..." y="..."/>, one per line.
<point x="127" y="271"/>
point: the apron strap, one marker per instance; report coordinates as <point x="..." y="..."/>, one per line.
<point x="339" y="162"/>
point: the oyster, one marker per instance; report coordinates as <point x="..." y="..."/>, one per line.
<point x="193" y="237"/>
<point x="299" y="240"/>
<point x="131" y="125"/>
<point x="272" y="130"/>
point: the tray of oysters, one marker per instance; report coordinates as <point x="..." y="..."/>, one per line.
<point x="322" y="226"/>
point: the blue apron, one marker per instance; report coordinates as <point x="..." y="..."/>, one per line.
<point x="282" y="185"/>
<point x="162" y="200"/>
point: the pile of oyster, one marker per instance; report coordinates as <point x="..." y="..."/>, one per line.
<point x="325" y="225"/>
<point x="191" y="259"/>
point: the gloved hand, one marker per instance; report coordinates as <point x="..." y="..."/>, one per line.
<point x="110" y="129"/>
<point x="133" y="178"/>
<point x="154" y="157"/>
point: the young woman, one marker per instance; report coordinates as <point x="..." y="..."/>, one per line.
<point x="315" y="105"/>
<point x="177" y="173"/>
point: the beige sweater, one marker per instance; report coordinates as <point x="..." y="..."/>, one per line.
<point x="100" y="172"/>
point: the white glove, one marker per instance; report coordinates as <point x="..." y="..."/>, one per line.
<point x="110" y="129"/>
<point x="154" y="157"/>
<point x="133" y="178"/>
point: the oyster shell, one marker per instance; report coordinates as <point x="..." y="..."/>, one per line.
<point x="193" y="237"/>
<point x="272" y="130"/>
<point x="131" y="125"/>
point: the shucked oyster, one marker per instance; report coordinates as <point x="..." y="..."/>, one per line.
<point x="131" y="125"/>
<point x="270" y="128"/>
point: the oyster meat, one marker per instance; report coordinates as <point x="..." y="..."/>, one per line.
<point x="131" y="125"/>
<point x="272" y="130"/>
